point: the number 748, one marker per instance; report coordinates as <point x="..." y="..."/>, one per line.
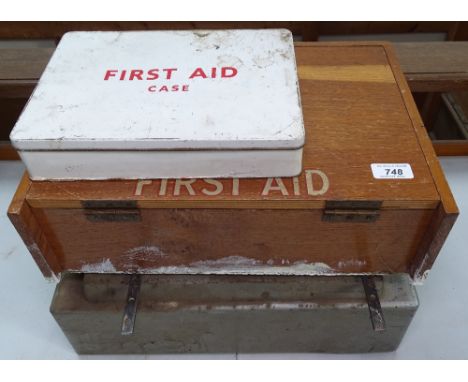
<point x="389" y="171"/>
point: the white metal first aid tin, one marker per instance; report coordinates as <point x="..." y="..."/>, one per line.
<point x="165" y="104"/>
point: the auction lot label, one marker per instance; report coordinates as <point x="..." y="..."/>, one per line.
<point x="392" y="171"/>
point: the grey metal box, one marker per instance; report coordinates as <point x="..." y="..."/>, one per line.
<point x="225" y="314"/>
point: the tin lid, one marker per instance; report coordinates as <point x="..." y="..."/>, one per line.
<point x="223" y="89"/>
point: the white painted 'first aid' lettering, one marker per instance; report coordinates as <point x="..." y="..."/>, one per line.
<point x="270" y="187"/>
<point x="218" y="187"/>
<point x="313" y="183"/>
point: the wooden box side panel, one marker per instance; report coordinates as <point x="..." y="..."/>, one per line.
<point x="447" y="212"/>
<point x="243" y="241"/>
<point x="432" y="242"/>
<point x="30" y="230"/>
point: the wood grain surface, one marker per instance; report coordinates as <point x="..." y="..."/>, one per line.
<point x="434" y="66"/>
<point x="451" y="147"/>
<point x="308" y="30"/>
<point x="31" y="231"/>
<point x="20" y="70"/>
<point x="358" y="110"/>
<point x="447" y="211"/>
<point x="243" y="241"/>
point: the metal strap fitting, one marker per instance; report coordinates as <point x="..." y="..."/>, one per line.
<point x="128" y="322"/>
<point x="373" y="302"/>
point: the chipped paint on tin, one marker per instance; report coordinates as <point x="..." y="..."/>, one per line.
<point x="241" y="92"/>
<point x="165" y="104"/>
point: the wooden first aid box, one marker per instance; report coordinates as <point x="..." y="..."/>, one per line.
<point x="165" y="104"/>
<point x="371" y="199"/>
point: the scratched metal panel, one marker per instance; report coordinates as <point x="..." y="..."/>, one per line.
<point x="242" y="314"/>
<point x="165" y="104"/>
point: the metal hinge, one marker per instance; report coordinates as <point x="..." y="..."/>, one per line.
<point x="111" y="210"/>
<point x="359" y="211"/>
